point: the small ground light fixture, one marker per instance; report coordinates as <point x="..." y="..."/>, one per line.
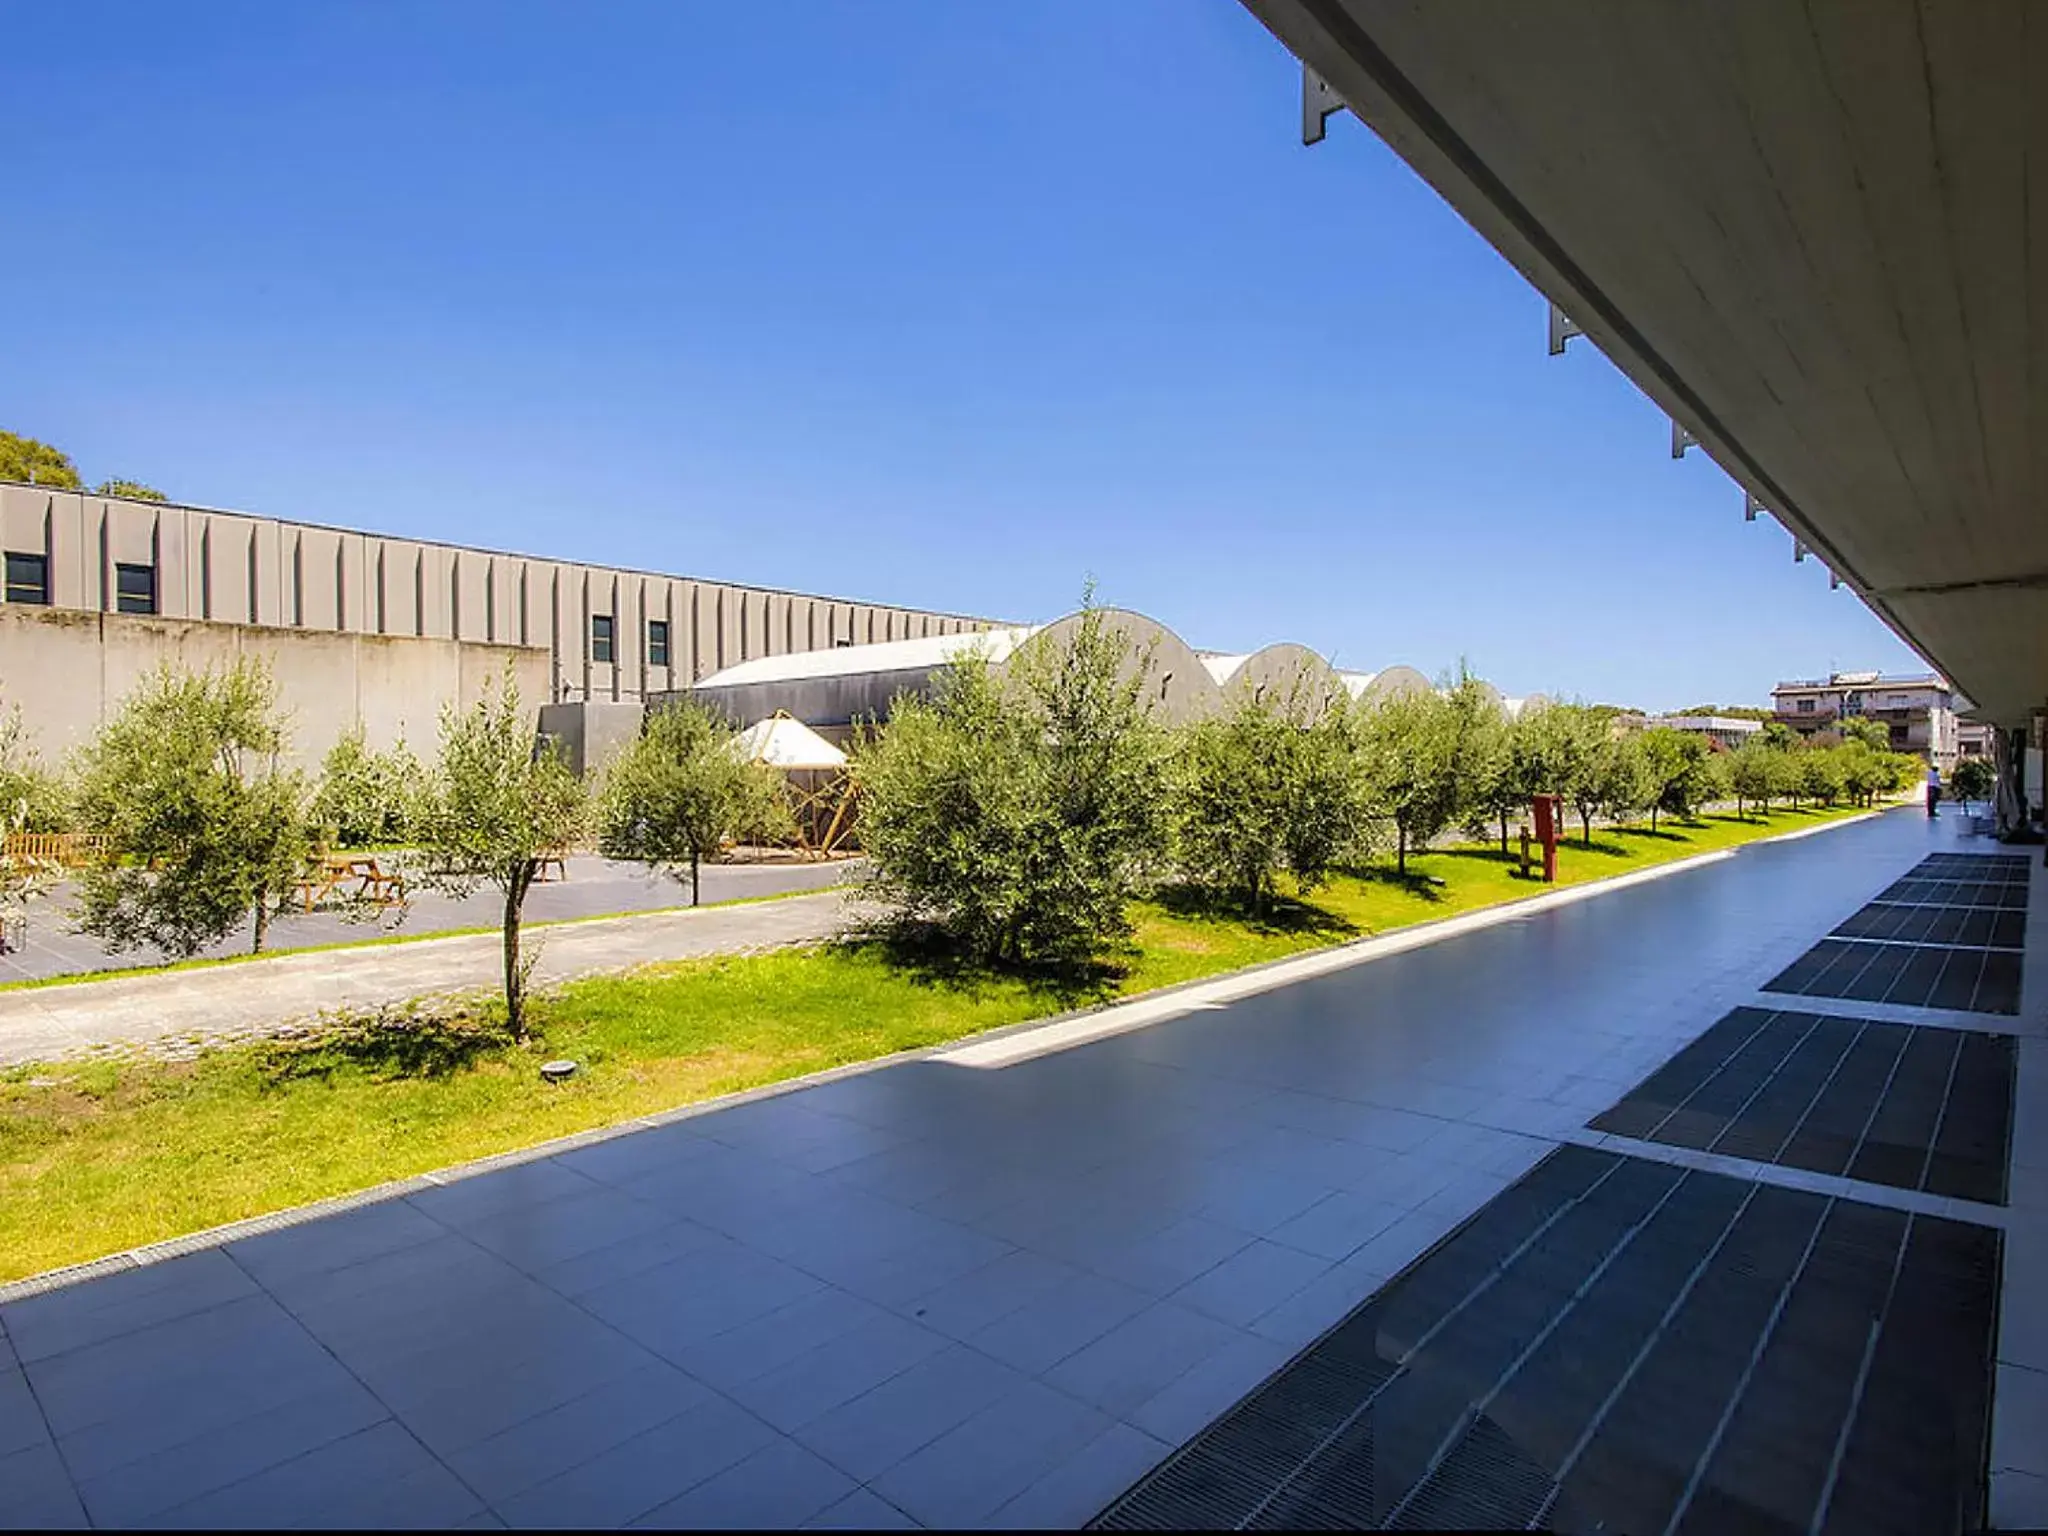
<point x="557" y="1071"/>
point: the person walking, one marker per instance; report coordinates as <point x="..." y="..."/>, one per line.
<point x="1933" y="789"/>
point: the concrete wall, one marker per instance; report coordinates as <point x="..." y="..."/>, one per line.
<point x="234" y="569"/>
<point x="592" y="732"/>
<point x="68" y="669"/>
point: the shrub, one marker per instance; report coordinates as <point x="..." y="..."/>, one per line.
<point x="365" y="797"/>
<point x="1020" y="812"/>
<point x="1974" y="779"/>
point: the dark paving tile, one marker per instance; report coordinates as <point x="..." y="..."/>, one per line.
<point x="635" y="1255"/>
<point x="978" y="1466"/>
<point x="663" y="1150"/>
<point x="1338" y="1225"/>
<point x="187" y="1374"/>
<point x="21" y="1418"/>
<point x="870" y="1434"/>
<point x="489" y="1382"/>
<point x="149" y="1486"/>
<point x="1067" y="1494"/>
<point x="861" y="1510"/>
<point x="1203" y="1393"/>
<point x="1251" y="1282"/>
<point x="779" y="1486"/>
<point x="523" y="1186"/>
<point x="36" y="1492"/>
<point x="380" y="1476"/>
<point x="1139" y="1357"/>
<point x="643" y="1473"/>
<point x="579" y="1430"/>
<point x="968" y="1303"/>
<point x="534" y="1237"/>
<point x="769" y="1343"/>
<point x="1045" y="1331"/>
<point x="334" y="1242"/>
<point x="683" y="1303"/>
<point x="1162" y="1262"/>
<point x="81" y="1315"/>
<point x="837" y="1372"/>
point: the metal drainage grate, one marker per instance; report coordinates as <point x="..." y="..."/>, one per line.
<point x="1615" y="1344"/>
<point x="1915" y="1108"/>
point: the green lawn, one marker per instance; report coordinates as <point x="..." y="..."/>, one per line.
<point x="98" y="1157"/>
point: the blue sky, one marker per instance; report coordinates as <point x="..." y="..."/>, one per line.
<point x="939" y="304"/>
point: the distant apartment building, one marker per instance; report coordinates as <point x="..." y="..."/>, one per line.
<point x="1973" y="738"/>
<point x="1722" y="730"/>
<point x="1919" y="712"/>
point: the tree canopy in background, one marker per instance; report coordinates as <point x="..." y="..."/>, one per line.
<point x="24" y="458"/>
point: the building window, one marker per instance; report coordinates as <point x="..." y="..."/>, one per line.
<point x="1806" y="706"/>
<point x="135" y="588"/>
<point x="600" y="637"/>
<point x="657" y="642"/>
<point x="28" y="578"/>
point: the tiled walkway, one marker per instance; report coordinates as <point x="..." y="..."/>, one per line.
<point x="940" y="1293"/>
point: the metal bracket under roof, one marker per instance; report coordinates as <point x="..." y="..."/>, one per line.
<point x="1799" y="550"/>
<point x="1318" y="105"/>
<point x="1562" y="329"/>
<point x="1681" y="439"/>
<point x="1834" y="581"/>
<point x="1751" y="506"/>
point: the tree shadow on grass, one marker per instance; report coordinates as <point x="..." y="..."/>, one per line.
<point x="930" y="955"/>
<point x="1415" y="883"/>
<point x="1279" y="915"/>
<point x="413" y="1041"/>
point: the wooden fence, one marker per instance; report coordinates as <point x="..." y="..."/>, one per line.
<point x="73" y="850"/>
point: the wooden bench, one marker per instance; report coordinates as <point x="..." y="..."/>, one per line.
<point x="329" y="872"/>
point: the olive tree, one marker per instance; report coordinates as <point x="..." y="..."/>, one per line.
<point x="498" y="801"/>
<point x="1021" y="811"/>
<point x="1753" y="775"/>
<point x="1269" y="785"/>
<point x="1675" y="764"/>
<point x="365" y="797"/>
<point x="682" y="789"/>
<point x="1820" y="774"/>
<point x="32" y="799"/>
<point x="1622" y="781"/>
<point x="1409" y="755"/>
<point x="204" y="825"/>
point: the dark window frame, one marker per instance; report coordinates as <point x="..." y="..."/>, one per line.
<point x="126" y="601"/>
<point x="19" y="588"/>
<point x="603" y="638"/>
<point x="658" y="652"/>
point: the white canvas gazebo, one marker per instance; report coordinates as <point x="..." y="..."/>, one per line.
<point x="820" y="787"/>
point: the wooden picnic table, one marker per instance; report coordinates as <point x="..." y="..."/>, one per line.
<point x="329" y="872"/>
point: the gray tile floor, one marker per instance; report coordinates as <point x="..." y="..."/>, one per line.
<point x="930" y="1294"/>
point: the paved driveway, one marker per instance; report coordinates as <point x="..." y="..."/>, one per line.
<point x="934" y="1293"/>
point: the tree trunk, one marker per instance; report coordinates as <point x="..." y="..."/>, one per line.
<point x="262" y="924"/>
<point x="1400" y="849"/>
<point x="693" y="877"/>
<point x="515" y="984"/>
<point x="1585" y="827"/>
<point x="1503" y="833"/>
<point x="1653" y="818"/>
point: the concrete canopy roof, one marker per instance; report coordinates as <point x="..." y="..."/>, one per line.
<point x="1817" y="236"/>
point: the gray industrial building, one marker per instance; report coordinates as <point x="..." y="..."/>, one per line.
<point x="364" y="627"/>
